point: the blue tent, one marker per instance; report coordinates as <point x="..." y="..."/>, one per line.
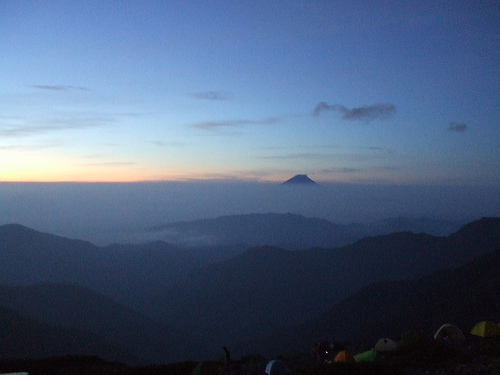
<point x="276" y="367"/>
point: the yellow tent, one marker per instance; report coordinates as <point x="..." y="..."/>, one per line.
<point x="485" y="328"/>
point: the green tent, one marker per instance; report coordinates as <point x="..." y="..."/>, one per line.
<point x="412" y="339"/>
<point x="369" y="356"/>
<point x="206" y="368"/>
<point x="485" y="329"/>
<point x="197" y="369"/>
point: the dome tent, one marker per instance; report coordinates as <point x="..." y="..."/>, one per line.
<point x="386" y="345"/>
<point x="344" y="357"/>
<point x="412" y="339"/>
<point x="449" y="333"/>
<point x="369" y="356"/>
<point x="276" y="367"/>
<point x="485" y="328"/>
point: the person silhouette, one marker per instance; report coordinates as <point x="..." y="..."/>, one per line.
<point x="227" y="360"/>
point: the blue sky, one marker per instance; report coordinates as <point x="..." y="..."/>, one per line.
<point x="196" y="109"/>
<point x="384" y="92"/>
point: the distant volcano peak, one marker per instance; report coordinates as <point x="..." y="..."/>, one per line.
<point x="300" y="179"/>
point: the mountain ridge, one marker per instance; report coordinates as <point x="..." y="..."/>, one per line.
<point x="23" y="337"/>
<point x="288" y="230"/>
<point x="463" y="296"/>
<point x="268" y="286"/>
<point x="300" y="179"/>
<point x="241" y="296"/>
<point x="70" y="307"/>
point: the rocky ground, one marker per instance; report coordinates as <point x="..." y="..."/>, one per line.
<point x="480" y="357"/>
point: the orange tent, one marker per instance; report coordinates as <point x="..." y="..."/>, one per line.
<point x="344" y="357"/>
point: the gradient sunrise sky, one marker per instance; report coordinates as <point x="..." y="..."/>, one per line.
<point x="387" y="92"/>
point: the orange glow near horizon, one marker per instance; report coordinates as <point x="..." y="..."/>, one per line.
<point x="108" y="174"/>
<point x="64" y="173"/>
<point x="48" y="168"/>
<point x="18" y="167"/>
<point x="84" y="175"/>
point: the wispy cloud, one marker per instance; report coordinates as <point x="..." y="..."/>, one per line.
<point x="324" y="106"/>
<point x="211" y="125"/>
<point x="364" y="113"/>
<point x="58" y="122"/>
<point x="344" y="170"/>
<point x="457" y="127"/>
<point x="379" y="150"/>
<point x="111" y="163"/>
<point x="168" y="144"/>
<point x="60" y="87"/>
<point x="211" y="95"/>
<point x="29" y="147"/>
<point x="363" y="155"/>
<point x="370" y="112"/>
<point x="25" y="131"/>
<point x="298" y="156"/>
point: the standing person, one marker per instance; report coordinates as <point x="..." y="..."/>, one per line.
<point x="228" y="360"/>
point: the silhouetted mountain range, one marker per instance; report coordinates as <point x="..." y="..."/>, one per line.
<point x="95" y="318"/>
<point x="300" y="179"/>
<point x="268" y="287"/>
<point x="124" y="272"/>
<point x="219" y="301"/>
<point x="291" y="231"/>
<point x="405" y="224"/>
<point x="462" y="296"/>
<point x="27" y="338"/>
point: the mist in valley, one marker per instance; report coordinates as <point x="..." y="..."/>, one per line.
<point x="105" y="213"/>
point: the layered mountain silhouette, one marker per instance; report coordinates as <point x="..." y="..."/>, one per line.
<point x="269" y="287"/>
<point x="300" y="179"/>
<point x="213" y="299"/>
<point x="405" y="224"/>
<point x="27" y="338"/>
<point x="59" y="319"/>
<point x="290" y="231"/>
<point x="462" y="296"/>
<point x="124" y="272"/>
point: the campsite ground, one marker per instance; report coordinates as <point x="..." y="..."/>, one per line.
<point x="476" y="357"/>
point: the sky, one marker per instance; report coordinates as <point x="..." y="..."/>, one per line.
<point x="357" y="93"/>
<point x="352" y="91"/>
